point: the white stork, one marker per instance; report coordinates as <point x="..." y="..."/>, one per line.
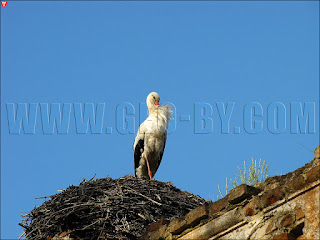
<point x="151" y="138"/>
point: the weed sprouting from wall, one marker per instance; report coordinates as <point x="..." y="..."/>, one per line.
<point x="257" y="172"/>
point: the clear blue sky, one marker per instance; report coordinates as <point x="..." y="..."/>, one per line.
<point x="116" y="52"/>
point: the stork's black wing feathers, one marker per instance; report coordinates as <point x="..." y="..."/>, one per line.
<point x="137" y="154"/>
<point x="162" y="151"/>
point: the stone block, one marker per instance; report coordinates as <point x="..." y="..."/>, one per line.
<point x="240" y="193"/>
<point x="196" y="215"/>
<point x="217" y="206"/>
<point x="176" y="226"/>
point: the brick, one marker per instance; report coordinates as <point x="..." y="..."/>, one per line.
<point x="196" y="215"/>
<point x="271" y="197"/>
<point x="155" y="234"/>
<point x="156" y="230"/>
<point x="251" y="208"/>
<point x="217" y="206"/>
<point x="284" y="236"/>
<point x="249" y="212"/>
<point x="176" y="226"/>
<point x="299" y="214"/>
<point x="240" y="193"/>
<point x="154" y="226"/>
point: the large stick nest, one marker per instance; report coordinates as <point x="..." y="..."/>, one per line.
<point x="107" y="208"/>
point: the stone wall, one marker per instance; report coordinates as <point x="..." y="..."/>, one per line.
<point x="283" y="207"/>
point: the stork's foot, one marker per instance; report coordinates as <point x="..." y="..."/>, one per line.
<point x="149" y="171"/>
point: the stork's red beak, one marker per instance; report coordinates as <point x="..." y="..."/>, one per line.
<point x="156" y="103"/>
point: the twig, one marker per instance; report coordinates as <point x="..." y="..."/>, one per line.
<point x="42" y="197"/>
<point x="140" y="194"/>
<point x="90" y="224"/>
<point x="92" y="177"/>
<point x="74" y="206"/>
<point x="21" y="235"/>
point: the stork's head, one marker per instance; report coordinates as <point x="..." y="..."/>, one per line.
<point x="153" y="100"/>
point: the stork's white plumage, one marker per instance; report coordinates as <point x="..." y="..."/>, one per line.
<point x="151" y="138"/>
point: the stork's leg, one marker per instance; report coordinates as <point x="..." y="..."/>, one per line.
<point x="149" y="171"/>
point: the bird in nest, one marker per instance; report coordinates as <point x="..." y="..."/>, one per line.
<point x="151" y="138"/>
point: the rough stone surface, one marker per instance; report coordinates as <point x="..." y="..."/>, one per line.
<point x="283" y="207"/>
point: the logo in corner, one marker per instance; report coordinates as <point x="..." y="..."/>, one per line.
<point x="3" y="3"/>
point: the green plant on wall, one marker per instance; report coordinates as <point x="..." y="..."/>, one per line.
<point x="256" y="173"/>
